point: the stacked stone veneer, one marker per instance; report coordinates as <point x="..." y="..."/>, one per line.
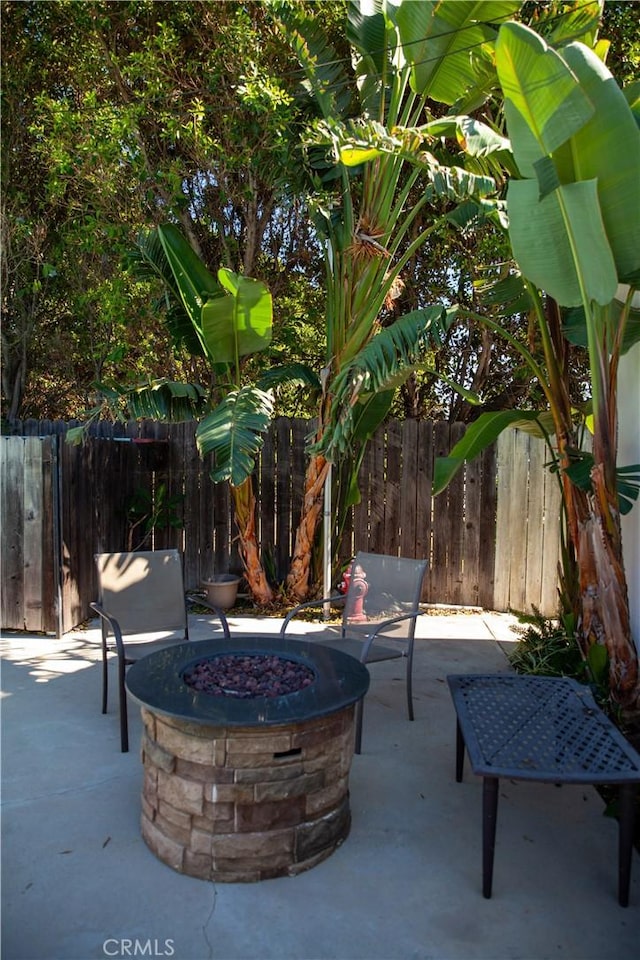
<point x="246" y="804"/>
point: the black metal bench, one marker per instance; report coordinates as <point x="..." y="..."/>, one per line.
<point x="541" y="728"/>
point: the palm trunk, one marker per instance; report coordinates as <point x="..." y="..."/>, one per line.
<point x="245" y="516"/>
<point x="604" y="595"/>
<point x="593" y="522"/>
<point x="605" y="599"/>
<point x="605" y="611"/>
<point x="299" y="577"/>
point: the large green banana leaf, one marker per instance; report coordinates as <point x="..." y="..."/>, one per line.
<point x="159" y="399"/>
<point x="560" y="241"/>
<point x="164" y="399"/>
<point x="574" y="224"/>
<point x="363" y="142"/>
<point x="447" y="43"/>
<point x="240" y="322"/>
<point x="297" y="374"/>
<point x="192" y="281"/>
<point x="148" y="261"/>
<point x="234" y="432"/>
<point x="607" y="149"/>
<point x="328" y="83"/>
<point x="382" y="364"/>
<point x="231" y="314"/>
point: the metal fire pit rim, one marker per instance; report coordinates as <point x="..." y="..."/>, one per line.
<point x="155" y="682"/>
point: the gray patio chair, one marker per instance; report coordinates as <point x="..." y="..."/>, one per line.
<point x="381" y="604"/>
<point x="140" y="593"/>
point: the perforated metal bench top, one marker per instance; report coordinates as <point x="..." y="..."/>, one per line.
<point x="540" y="728"/>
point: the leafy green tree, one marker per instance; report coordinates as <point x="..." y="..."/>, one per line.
<point x="114" y="121"/>
<point x="28" y="238"/>
<point x="67" y="209"/>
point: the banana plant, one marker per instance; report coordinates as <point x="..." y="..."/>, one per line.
<point x="575" y="233"/>
<point x="364" y="168"/>
<point x="575" y="236"/>
<point x="224" y="318"/>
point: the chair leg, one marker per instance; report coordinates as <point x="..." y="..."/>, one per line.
<point x="358" y="719"/>
<point x="410" y="682"/>
<point x="105" y="675"/>
<point x="460" y="749"/>
<point x="124" y="720"/>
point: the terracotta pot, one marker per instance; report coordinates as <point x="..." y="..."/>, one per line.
<point x="222" y="590"/>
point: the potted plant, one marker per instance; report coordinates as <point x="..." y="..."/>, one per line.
<point x="222" y="589"/>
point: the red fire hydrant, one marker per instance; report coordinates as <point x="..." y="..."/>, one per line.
<point x="343" y="586"/>
<point x="357" y="588"/>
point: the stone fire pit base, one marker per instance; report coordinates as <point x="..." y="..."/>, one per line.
<point x="242" y="804"/>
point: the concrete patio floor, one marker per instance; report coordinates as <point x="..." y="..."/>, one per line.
<point x="78" y="882"/>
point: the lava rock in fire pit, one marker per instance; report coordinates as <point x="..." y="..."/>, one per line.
<point x="248" y="675"/>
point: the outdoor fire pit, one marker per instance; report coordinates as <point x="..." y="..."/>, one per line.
<point x="247" y="747"/>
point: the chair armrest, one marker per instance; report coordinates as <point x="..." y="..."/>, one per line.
<point x="203" y="602"/>
<point x="338" y="597"/>
<point x="383" y="626"/>
<point x="109" y="621"/>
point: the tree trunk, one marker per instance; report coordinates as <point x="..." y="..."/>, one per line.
<point x="593" y="524"/>
<point x="605" y="602"/>
<point x="298" y="579"/>
<point x="245" y="516"/>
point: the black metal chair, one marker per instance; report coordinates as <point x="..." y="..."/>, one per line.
<point x="381" y="604"/>
<point x="140" y="593"/>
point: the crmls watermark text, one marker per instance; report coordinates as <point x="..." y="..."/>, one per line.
<point x="138" y="948"/>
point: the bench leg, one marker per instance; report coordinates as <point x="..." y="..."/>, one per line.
<point x="489" y="819"/>
<point x="459" y="752"/>
<point x="358" y="722"/>
<point x="626" y="821"/>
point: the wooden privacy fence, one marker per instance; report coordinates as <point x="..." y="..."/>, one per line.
<point x="491" y="538"/>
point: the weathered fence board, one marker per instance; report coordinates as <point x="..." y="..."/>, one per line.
<point x="488" y="529"/>
<point x="410" y="491"/>
<point x="471" y="545"/>
<point x="392" y="489"/>
<point x="281" y="505"/>
<point x="424" y="478"/>
<point x="551" y="536"/>
<point x="490" y="542"/>
<point x="527" y="526"/>
<point x="30" y="573"/>
<point x="267" y="498"/>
